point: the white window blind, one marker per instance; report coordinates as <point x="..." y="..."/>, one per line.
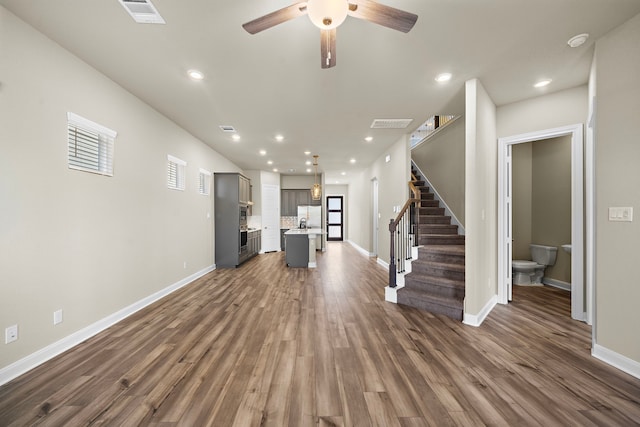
<point x="90" y="145"/>
<point x="204" y="184"/>
<point x="175" y="173"/>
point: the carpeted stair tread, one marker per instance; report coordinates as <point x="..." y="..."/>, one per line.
<point x="443" y="249"/>
<point x="422" y="282"/>
<point x="447" y="306"/>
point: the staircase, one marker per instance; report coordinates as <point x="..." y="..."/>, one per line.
<point x="436" y="282"/>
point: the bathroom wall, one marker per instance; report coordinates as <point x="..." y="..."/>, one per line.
<point x="521" y="204"/>
<point x="542" y="201"/>
<point x="551" y="201"/>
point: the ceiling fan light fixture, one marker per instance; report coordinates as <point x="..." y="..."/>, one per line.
<point x="327" y="14"/>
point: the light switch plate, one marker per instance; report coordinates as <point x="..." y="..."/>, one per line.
<point x="621" y="214"/>
<point x="57" y="317"/>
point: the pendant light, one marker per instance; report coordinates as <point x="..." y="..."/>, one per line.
<point x="316" y="190"/>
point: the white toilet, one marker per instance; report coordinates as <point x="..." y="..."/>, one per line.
<point x="531" y="272"/>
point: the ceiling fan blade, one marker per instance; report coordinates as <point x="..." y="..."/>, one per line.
<point x="380" y="14"/>
<point x="328" y="48"/>
<point x="274" y="18"/>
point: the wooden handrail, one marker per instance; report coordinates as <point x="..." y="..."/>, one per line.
<point x="393" y="225"/>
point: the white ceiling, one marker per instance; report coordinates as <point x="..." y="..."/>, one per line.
<point x="271" y="83"/>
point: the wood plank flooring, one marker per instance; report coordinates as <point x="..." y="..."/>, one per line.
<point x="266" y="345"/>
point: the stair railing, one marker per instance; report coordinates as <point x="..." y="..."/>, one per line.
<point x="403" y="234"/>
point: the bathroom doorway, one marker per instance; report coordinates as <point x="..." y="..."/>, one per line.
<point x="505" y="213"/>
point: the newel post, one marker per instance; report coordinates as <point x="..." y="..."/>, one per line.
<point x="392" y="257"/>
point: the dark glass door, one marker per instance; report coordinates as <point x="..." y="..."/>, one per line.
<point x="335" y="217"/>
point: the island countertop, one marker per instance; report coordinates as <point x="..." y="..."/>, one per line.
<point x="313" y="231"/>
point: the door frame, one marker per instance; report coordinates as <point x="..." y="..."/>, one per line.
<point x="375" y="217"/>
<point x="577" y="214"/>
<point x="341" y="197"/>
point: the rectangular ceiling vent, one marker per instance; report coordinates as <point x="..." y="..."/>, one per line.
<point x="390" y="123"/>
<point x="227" y="128"/>
<point x="142" y="11"/>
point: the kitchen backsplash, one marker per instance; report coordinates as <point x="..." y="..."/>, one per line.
<point x="288" y="222"/>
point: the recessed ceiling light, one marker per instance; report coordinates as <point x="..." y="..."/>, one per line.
<point x="279" y="138"/>
<point x="542" y="83"/>
<point x="308" y="170"/>
<point x="269" y="162"/>
<point x="369" y="138"/>
<point x="352" y="160"/>
<point x="275" y="169"/>
<point x="443" y="77"/>
<point x="263" y="152"/>
<point x="578" y="40"/>
<point x="235" y="137"/>
<point x="343" y="173"/>
<point x="306" y="153"/>
<point x="308" y="162"/>
<point x="195" y="74"/>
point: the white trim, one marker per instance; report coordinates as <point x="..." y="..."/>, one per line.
<point x="87" y="124"/>
<point x="577" y="211"/>
<point x="391" y="294"/>
<point x="477" y="319"/>
<point x="616" y="360"/>
<point x="557" y="283"/>
<point x="359" y="249"/>
<point x="176" y="160"/>
<point x="49" y="352"/>
<point x="383" y="263"/>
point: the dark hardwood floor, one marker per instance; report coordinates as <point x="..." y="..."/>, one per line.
<point x="266" y="345"/>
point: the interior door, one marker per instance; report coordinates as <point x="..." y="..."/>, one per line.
<point x="270" y="218"/>
<point x="335" y="216"/>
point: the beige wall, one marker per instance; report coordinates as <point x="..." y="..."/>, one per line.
<point x="393" y="189"/>
<point x="297" y="182"/>
<point x="84" y="243"/>
<point x="557" y="109"/>
<point x="480" y="199"/>
<point x="441" y="159"/>
<point x="551" y="195"/>
<point x="542" y="200"/>
<point x="617" y="152"/>
<point x="521" y="200"/>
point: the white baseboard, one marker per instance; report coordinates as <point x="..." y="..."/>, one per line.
<point x="616" y="360"/>
<point x="49" y="352"/>
<point x="359" y="249"/>
<point x="383" y="263"/>
<point x="477" y="319"/>
<point x="557" y="283"/>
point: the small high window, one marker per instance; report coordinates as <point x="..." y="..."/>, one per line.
<point x="90" y="145"/>
<point x="204" y="184"/>
<point x="175" y="173"/>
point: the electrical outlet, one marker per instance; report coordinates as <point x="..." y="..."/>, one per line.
<point x="11" y="334"/>
<point x="185" y="264"/>
<point x="57" y="317"/>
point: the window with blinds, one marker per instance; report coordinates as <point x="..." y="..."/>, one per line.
<point x="90" y="145"/>
<point x="204" y="184"/>
<point x="175" y="173"/>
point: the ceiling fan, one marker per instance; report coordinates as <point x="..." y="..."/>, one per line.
<point x="329" y="14"/>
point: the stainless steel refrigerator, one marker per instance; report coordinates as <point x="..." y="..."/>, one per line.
<point x="311" y="214"/>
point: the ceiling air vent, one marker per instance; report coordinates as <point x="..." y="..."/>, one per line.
<point x="142" y="11"/>
<point x="227" y="128"/>
<point x="390" y="123"/>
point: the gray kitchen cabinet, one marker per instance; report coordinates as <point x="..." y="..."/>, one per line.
<point x="231" y="235"/>
<point x="290" y="199"/>
<point x="297" y="250"/>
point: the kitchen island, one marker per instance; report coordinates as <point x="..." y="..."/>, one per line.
<point x="300" y="247"/>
